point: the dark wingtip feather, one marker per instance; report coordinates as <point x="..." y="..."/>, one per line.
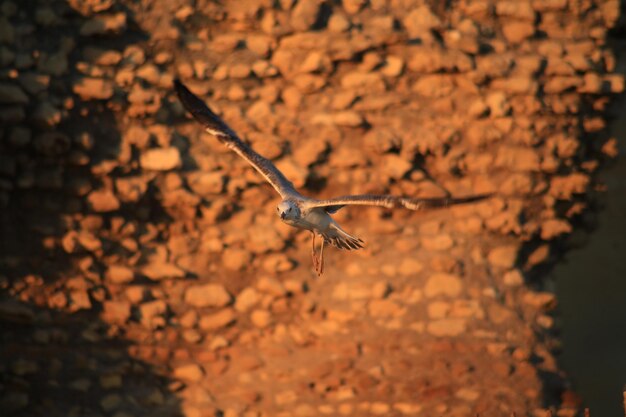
<point x="190" y="101"/>
<point x="200" y="111"/>
<point x="450" y="201"/>
<point x="470" y="199"/>
<point x="183" y="93"/>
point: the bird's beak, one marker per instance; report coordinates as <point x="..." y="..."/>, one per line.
<point x="282" y="215"/>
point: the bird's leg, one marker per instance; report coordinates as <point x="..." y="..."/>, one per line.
<point x="321" y="268"/>
<point x="313" y="254"/>
<point x="318" y="260"/>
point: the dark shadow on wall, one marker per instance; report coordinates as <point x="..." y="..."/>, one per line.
<point x="58" y="150"/>
<point x="590" y="279"/>
<point x="59" y="364"/>
<point x="585" y="268"/>
<point x="588" y="320"/>
<point x="57" y="355"/>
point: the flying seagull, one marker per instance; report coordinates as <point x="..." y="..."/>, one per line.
<point x="295" y="209"/>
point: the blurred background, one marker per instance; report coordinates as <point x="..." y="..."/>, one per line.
<point x="143" y="269"/>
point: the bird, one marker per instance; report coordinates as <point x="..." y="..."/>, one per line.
<point x="296" y="209"/>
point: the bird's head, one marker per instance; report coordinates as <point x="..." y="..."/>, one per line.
<point x="288" y="210"/>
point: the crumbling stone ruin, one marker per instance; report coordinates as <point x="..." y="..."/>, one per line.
<point x="143" y="270"/>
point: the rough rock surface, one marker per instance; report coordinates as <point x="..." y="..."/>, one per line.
<point x="142" y="268"/>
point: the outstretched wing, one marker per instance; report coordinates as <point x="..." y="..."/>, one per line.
<point x="215" y="126"/>
<point x="389" y="201"/>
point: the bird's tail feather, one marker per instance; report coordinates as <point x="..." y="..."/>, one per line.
<point x="341" y="239"/>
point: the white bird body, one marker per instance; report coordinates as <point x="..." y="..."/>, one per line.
<point x="315" y="219"/>
<point x="319" y="222"/>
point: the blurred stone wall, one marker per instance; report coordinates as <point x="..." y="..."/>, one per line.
<point x="116" y="204"/>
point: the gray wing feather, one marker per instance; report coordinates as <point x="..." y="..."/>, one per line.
<point x="215" y="126"/>
<point x="389" y="201"/>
